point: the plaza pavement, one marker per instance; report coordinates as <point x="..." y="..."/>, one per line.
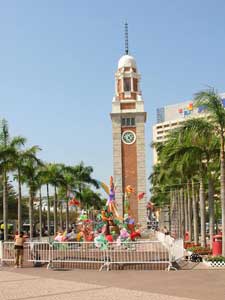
<point x="42" y="284"/>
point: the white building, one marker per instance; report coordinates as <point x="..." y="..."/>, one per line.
<point x="171" y="116"/>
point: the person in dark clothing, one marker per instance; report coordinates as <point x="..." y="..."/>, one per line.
<point x="18" y="246"/>
<point x="1" y="235"/>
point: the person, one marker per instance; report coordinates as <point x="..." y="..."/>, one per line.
<point x="1" y="235"/>
<point x="18" y="246"/>
<point x="165" y="230"/>
<point x="59" y="237"/>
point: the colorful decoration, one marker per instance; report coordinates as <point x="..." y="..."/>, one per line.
<point x="83" y="216"/>
<point x="109" y="238"/>
<point x="105" y="215"/>
<point x="201" y="109"/>
<point x="134" y="235"/>
<point x="186" y="110"/>
<point x="101" y="242"/>
<point x="150" y="205"/>
<point x="106" y="226"/>
<point x="111" y="202"/>
<point x="140" y="196"/>
<point x="190" y="106"/>
<point x="129" y="190"/>
<point x="74" y="202"/>
<point x="104" y="186"/>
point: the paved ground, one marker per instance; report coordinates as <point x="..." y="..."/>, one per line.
<point x="39" y="283"/>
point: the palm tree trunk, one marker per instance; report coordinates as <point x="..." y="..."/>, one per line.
<point x="195" y="214"/>
<point x="19" y="203"/>
<point x="40" y="212"/>
<point x="185" y="211"/>
<point x="5" y="206"/>
<point x="175" y="219"/>
<point x="211" y="210"/>
<point x="31" y="221"/>
<point x="182" y="228"/>
<point x="222" y="188"/>
<point x="67" y="215"/>
<point x="48" y="210"/>
<point x="170" y="210"/>
<point x="178" y="213"/>
<point x="61" y="215"/>
<point x="55" y="211"/>
<point x="202" y="212"/>
<point x="189" y="211"/>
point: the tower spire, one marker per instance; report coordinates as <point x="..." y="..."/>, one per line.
<point x="126" y="38"/>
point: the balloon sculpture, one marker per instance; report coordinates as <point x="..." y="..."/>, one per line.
<point x="111" y="203"/>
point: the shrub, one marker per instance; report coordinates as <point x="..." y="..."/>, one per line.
<point x="215" y="258"/>
<point x="199" y="250"/>
<point x="190" y="245"/>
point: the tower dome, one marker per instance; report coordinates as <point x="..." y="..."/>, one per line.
<point x="127" y="61"/>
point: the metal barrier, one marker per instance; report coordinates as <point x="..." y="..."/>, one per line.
<point x="139" y="255"/>
<point x="174" y="247"/>
<point x="7" y="252"/>
<point x="69" y="255"/>
<point x="38" y="252"/>
<point x="35" y="252"/>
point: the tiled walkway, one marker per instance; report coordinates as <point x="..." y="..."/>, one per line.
<point x="16" y="285"/>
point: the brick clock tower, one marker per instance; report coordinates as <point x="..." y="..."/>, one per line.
<point x="128" y="129"/>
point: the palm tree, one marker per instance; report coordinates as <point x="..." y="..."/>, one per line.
<point x="21" y="157"/>
<point x="83" y="176"/>
<point x="8" y="148"/>
<point x="189" y="151"/>
<point x="46" y="178"/>
<point x="212" y="102"/>
<point x="76" y="179"/>
<point x="202" y="145"/>
<point x="54" y="177"/>
<point x="31" y="176"/>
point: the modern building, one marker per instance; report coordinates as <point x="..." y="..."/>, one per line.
<point x="128" y="128"/>
<point x="171" y="116"/>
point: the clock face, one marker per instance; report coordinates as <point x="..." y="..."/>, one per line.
<point x="128" y="137"/>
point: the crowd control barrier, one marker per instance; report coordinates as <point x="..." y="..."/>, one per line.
<point x="139" y="255"/>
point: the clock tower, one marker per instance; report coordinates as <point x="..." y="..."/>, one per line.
<point x="128" y="129"/>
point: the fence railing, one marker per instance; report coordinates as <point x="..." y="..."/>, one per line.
<point x="89" y="255"/>
<point x="174" y="247"/>
<point x="67" y="255"/>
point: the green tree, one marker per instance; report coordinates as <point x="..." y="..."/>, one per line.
<point x="8" y="149"/>
<point x="31" y="178"/>
<point x="21" y="157"/>
<point x="212" y="102"/>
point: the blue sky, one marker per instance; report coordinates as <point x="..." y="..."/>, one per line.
<point x="58" y="59"/>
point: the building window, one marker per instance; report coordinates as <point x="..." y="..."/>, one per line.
<point x="160" y="115"/>
<point x="135" y="84"/>
<point x="126" y="84"/>
<point x="128" y="121"/>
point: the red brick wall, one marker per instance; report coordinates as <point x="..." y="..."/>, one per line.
<point x="129" y="172"/>
<point x="127" y="105"/>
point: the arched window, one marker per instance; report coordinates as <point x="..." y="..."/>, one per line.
<point x="126" y="84"/>
<point x="135" y="84"/>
